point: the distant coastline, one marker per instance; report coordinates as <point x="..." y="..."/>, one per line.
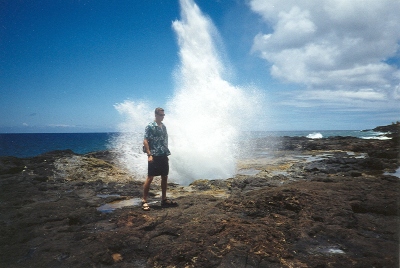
<point x="32" y="144"/>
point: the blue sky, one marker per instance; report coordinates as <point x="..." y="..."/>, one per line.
<point x="321" y="65"/>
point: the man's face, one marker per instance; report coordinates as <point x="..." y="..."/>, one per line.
<point x="160" y="115"/>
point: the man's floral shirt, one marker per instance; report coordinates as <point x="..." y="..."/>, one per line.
<point x="157" y="137"/>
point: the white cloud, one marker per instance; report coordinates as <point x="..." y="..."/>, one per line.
<point x="337" y="48"/>
<point x="363" y="94"/>
<point x="61" y="126"/>
<point x="366" y="99"/>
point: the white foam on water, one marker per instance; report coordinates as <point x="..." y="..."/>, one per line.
<point x="315" y="135"/>
<point x="205" y="115"/>
<point x="373" y="135"/>
<point x="377" y="138"/>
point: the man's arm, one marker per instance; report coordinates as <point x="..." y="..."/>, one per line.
<point x="147" y="148"/>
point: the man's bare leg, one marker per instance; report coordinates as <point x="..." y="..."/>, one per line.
<point x="164" y="200"/>
<point x="164" y="184"/>
<point x="146" y="188"/>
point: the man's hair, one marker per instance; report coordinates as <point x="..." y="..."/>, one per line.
<point x="158" y="110"/>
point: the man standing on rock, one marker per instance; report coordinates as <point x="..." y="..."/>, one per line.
<point x="156" y="146"/>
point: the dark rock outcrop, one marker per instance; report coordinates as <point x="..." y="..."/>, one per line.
<point x="332" y="203"/>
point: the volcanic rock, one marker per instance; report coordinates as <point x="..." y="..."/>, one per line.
<point x="331" y="202"/>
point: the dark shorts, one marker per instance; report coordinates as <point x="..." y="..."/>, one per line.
<point x="159" y="166"/>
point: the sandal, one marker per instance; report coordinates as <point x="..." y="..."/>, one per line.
<point x="168" y="203"/>
<point x="145" y="206"/>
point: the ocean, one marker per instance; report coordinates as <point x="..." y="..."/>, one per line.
<point x="32" y="144"/>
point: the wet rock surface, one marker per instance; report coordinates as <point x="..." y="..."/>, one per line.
<point x="311" y="203"/>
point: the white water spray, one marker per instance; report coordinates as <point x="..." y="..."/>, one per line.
<point x="128" y="144"/>
<point x="204" y="117"/>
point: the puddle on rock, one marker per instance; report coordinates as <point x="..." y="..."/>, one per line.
<point x="331" y="251"/>
<point x="110" y="207"/>
<point x="396" y="173"/>
<point x="279" y="172"/>
<point x="357" y="155"/>
<point x="324" y="156"/>
<point x="108" y="195"/>
<point x="326" y="250"/>
<point x="248" y="171"/>
<point x="313" y="158"/>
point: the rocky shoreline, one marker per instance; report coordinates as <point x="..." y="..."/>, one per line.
<point x="331" y="202"/>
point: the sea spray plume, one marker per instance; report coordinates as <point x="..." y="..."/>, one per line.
<point x="128" y="144"/>
<point x="206" y="114"/>
<point x="199" y="57"/>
